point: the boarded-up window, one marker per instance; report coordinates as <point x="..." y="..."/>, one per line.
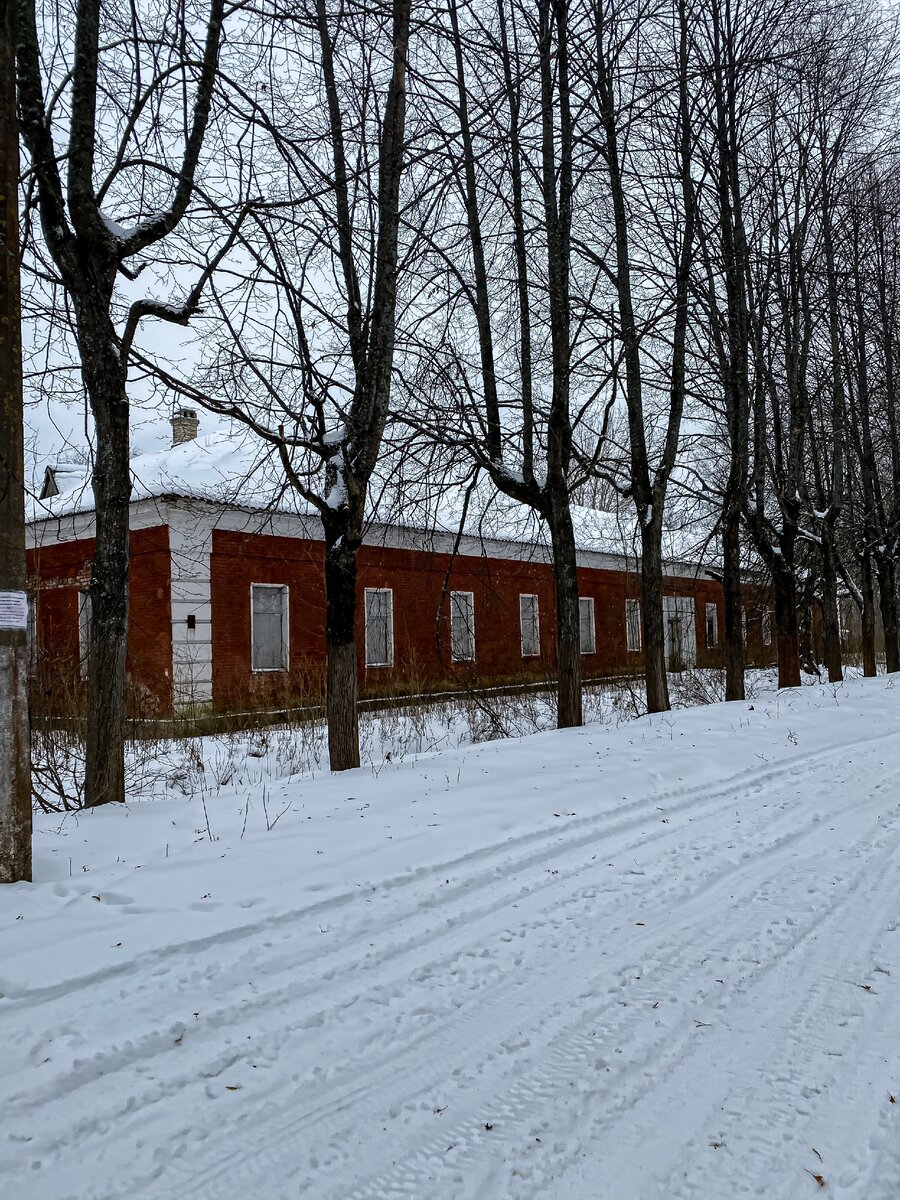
<point x="462" y="626"/>
<point x="767" y="626"/>
<point x="586" y="624"/>
<point x="712" y="625"/>
<point x="529" y="624"/>
<point x="269" y="626"/>
<point x="84" y="632"/>
<point x="379" y="627"/>
<point x="633" y="624"/>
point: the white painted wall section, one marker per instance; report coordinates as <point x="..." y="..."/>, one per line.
<point x="190" y="547"/>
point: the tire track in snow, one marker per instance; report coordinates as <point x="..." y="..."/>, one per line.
<point x="562" y="1061"/>
<point x="762" y="1115"/>
<point x="628" y="815"/>
<point x="156" y="1041"/>
<point x="552" y="838"/>
<point x="340" y="1104"/>
<point x="704" y="806"/>
<point x="96" y="1071"/>
<point x="559" y="841"/>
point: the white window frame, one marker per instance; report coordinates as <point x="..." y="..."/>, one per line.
<point x="536" y="653"/>
<point x="712" y="610"/>
<point x="390" y="593"/>
<point x="767" y="626"/>
<point x="591" y="648"/>
<point x="633" y="643"/>
<point x="84" y="633"/>
<point x="468" y="617"/>
<point x="285" y="628"/>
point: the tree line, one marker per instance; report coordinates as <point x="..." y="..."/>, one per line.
<point x="652" y="245"/>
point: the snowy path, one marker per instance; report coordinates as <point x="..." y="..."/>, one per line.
<point x="675" y="991"/>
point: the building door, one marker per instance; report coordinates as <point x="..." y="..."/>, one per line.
<point x="681" y="632"/>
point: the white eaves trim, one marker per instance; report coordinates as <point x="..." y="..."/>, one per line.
<point x="147" y="513"/>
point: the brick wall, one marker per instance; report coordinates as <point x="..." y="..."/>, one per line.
<point x="56" y="575"/>
<point x="421" y="642"/>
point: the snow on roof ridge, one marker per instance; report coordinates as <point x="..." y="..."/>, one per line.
<point x="221" y="468"/>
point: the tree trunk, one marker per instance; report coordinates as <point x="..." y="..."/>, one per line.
<point x="890" y="620"/>
<point x="831" y="622"/>
<point x="809" y="658"/>
<point x="568" y="624"/>
<point x="734" y="631"/>
<point x="735" y="349"/>
<point x="787" y="630"/>
<point x="867" y="587"/>
<point x="341" y="682"/>
<point x="104" y="379"/>
<point x="654" y="628"/>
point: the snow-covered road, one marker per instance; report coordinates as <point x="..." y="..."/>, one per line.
<point x="655" y="961"/>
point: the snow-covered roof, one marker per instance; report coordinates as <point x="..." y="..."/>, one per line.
<point x="239" y="471"/>
<point x="217" y="467"/>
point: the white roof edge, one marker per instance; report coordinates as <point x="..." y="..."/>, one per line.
<point x="145" y="509"/>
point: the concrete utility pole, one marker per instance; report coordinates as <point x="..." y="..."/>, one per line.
<point x="15" y="768"/>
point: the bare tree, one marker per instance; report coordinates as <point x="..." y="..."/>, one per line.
<point x="304" y="354"/>
<point x="504" y="269"/>
<point x="824" y="99"/>
<point x="874" y="269"/>
<point x="853" y="65"/>
<point x="626" y="92"/>
<point x="738" y="46"/>
<point x="886" y="230"/>
<point x="129" y="96"/>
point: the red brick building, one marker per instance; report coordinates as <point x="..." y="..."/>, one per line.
<point x="227" y="600"/>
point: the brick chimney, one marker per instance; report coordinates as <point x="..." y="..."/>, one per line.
<point x="185" y="425"/>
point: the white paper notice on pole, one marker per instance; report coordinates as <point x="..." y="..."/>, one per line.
<point x="13" y="610"/>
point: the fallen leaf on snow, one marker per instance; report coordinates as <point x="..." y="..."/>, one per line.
<point x="820" y="1179"/>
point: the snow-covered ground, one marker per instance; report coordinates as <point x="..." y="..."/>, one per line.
<point x="635" y="961"/>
